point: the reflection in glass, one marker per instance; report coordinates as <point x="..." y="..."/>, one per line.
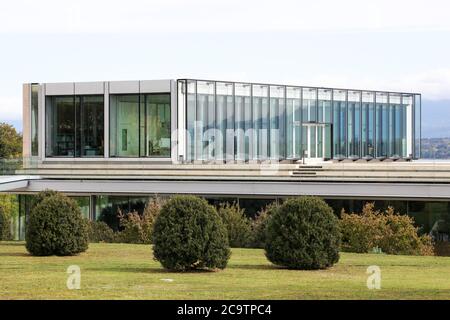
<point x="339" y="123"/>
<point x="293" y="123"/>
<point x="90" y="131"/>
<point x="60" y="122"/>
<point x="309" y="112"/>
<point x="353" y="124"/>
<point x="34" y="119"/>
<point x="258" y="122"/>
<point x="277" y="123"/>
<point x="124" y="125"/>
<point x="155" y="121"/>
<point x="382" y="124"/>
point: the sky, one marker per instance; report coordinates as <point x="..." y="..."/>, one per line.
<point x="383" y="45"/>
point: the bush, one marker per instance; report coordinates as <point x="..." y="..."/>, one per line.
<point x="100" y="232"/>
<point x="189" y="234"/>
<point x="137" y="228"/>
<point x="237" y="224"/>
<point x="259" y="224"/>
<point x="303" y="233"/>
<point x="10" y="209"/>
<point x="4" y="225"/>
<point x="391" y="232"/>
<point x="56" y="227"/>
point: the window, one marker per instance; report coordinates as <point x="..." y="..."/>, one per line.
<point x="242" y="120"/>
<point x="277" y="141"/>
<point x="34" y="119"/>
<point x="382" y="124"/>
<point x="74" y="126"/>
<point x="339" y="123"/>
<point x="155" y="120"/>
<point x="353" y="123"/>
<point x="293" y="123"/>
<point x="89" y="124"/>
<point x="140" y="125"/>
<point x="309" y="105"/>
<point x="367" y="124"/>
<point x="60" y="114"/>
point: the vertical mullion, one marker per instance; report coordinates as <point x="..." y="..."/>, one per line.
<point x="374" y="124"/>
<point x="360" y="125"/>
<point x="300" y="140"/>
<point x="269" y="122"/>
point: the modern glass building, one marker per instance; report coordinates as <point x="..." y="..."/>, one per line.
<point x="111" y="145"/>
<point x="248" y="121"/>
<point x="201" y="120"/>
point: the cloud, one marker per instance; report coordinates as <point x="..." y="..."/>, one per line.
<point x="116" y="16"/>
<point x="10" y="108"/>
<point x="433" y="84"/>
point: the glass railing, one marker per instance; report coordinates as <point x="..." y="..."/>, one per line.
<point x="11" y="166"/>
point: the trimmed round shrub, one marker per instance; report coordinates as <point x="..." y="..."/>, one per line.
<point x="56" y="227"/>
<point x="237" y="224"/>
<point x="303" y="233"/>
<point x="100" y="232"/>
<point x="189" y="234"/>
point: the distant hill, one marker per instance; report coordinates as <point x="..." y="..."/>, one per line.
<point x="435" y="118"/>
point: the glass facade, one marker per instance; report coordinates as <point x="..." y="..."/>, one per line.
<point x="431" y="217"/>
<point x="139" y="125"/>
<point x="74" y="126"/>
<point x="228" y="121"/>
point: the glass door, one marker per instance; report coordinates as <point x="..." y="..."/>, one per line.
<point x="318" y="139"/>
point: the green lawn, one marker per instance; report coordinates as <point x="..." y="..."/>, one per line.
<point x="121" y="271"/>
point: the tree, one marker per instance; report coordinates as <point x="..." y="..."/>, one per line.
<point x="10" y="142"/>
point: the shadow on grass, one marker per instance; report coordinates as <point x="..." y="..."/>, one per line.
<point x="153" y="270"/>
<point x="19" y="244"/>
<point x="15" y="254"/>
<point x="256" y="267"/>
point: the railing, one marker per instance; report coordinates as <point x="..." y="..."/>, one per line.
<point x="9" y="166"/>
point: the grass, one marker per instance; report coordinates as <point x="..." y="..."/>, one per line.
<point x="123" y="271"/>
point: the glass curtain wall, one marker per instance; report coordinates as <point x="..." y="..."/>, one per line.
<point x="74" y="126"/>
<point x="309" y="110"/>
<point x="139" y="125"/>
<point x="278" y="137"/>
<point x="381" y="124"/>
<point x="407" y="104"/>
<point x="368" y="124"/>
<point x="417" y="134"/>
<point x="339" y="123"/>
<point x="324" y="111"/>
<point x="225" y="121"/>
<point x="244" y="122"/>
<point x="295" y="144"/>
<point x="354" y="124"/>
